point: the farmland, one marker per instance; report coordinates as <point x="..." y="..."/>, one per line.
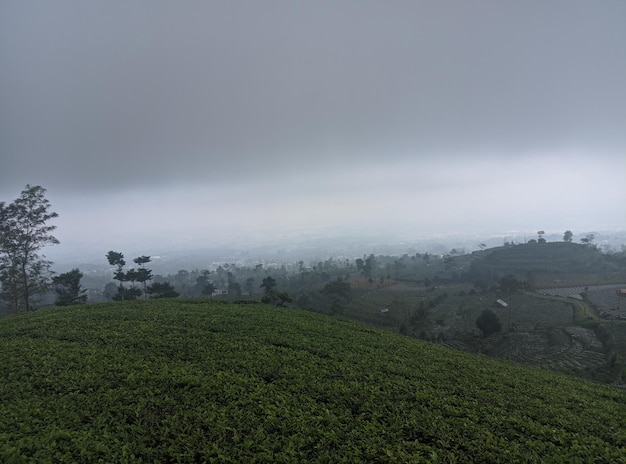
<point x="206" y="381"/>
<point x="544" y="329"/>
<point x="556" y="322"/>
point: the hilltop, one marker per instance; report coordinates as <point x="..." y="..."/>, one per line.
<point x="197" y="380"/>
<point x="549" y="264"/>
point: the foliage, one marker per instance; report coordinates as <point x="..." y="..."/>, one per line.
<point x="24" y="274"/>
<point x="130" y="293"/>
<point x="268" y="284"/>
<point x="588" y="239"/>
<point x="567" y="236"/>
<point x="339" y="290"/>
<point x="367" y="265"/>
<point x="116" y="259"/>
<point x="564" y="261"/>
<point x="162" y="290"/>
<point x="199" y="381"/>
<point x="273" y="296"/>
<point x="276" y="298"/>
<point x="488" y="323"/>
<point x="510" y="284"/>
<point x="68" y="288"/>
<point x="208" y="289"/>
<point x="234" y="287"/>
<point x="141" y="275"/>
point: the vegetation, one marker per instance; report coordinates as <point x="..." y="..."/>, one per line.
<point x="24" y="230"/>
<point x="68" y="289"/>
<point x="567" y="236"/>
<point x="162" y="290"/>
<point x="141" y="275"/>
<point x="202" y="381"/>
<point x="273" y="296"/>
<point x="488" y="323"/>
<point x="544" y="264"/>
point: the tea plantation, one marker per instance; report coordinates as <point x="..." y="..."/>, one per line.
<point x="194" y="381"/>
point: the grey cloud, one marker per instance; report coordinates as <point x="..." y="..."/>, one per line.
<point x="111" y="96"/>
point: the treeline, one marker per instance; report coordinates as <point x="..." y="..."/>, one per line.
<point x="27" y="280"/>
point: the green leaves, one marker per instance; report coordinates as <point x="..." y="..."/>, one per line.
<point x="205" y="381"/>
<point x="23" y="232"/>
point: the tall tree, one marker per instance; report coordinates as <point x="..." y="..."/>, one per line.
<point x="143" y="275"/>
<point x="24" y="230"/>
<point x="68" y="289"/>
<point x="116" y="258"/>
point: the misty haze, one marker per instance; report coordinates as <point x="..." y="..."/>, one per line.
<point x="199" y="200"/>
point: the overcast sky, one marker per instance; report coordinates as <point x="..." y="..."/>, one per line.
<point x="206" y="120"/>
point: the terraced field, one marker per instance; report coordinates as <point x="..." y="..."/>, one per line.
<point x="606" y="301"/>
<point x="569" y="349"/>
<point x="545" y="333"/>
<point x="566" y="292"/>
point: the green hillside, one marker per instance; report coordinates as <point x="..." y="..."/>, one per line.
<point x="547" y="264"/>
<point x="204" y="381"/>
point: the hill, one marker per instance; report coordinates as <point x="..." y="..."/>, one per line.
<point x="205" y="381"/>
<point x="548" y="264"/>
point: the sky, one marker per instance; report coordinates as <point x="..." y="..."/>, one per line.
<point x="204" y="122"/>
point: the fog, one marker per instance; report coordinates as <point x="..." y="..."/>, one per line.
<point x="197" y="123"/>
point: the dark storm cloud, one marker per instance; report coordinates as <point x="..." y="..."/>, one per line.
<point x="103" y="94"/>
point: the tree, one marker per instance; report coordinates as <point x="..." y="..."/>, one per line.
<point x="510" y="284"/>
<point x="162" y="290"/>
<point x="208" y="289"/>
<point x="67" y="286"/>
<point x="249" y="285"/>
<point x="340" y="293"/>
<point x="143" y="275"/>
<point x="588" y="239"/>
<point x="129" y="294"/>
<point x="24" y="274"/>
<point x="276" y="298"/>
<point x="370" y="265"/>
<point x="234" y="287"/>
<point x="488" y="323"/>
<point x="132" y="275"/>
<point x="110" y="290"/>
<point x="567" y="236"/>
<point x="117" y="259"/>
<point x="203" y="285"/>
<point x="273" y="296"/>
<point x="268" y="284"/>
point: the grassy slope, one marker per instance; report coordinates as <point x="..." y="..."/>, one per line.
<point x="552" y="264"/>
<point x="194" y="381"/>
